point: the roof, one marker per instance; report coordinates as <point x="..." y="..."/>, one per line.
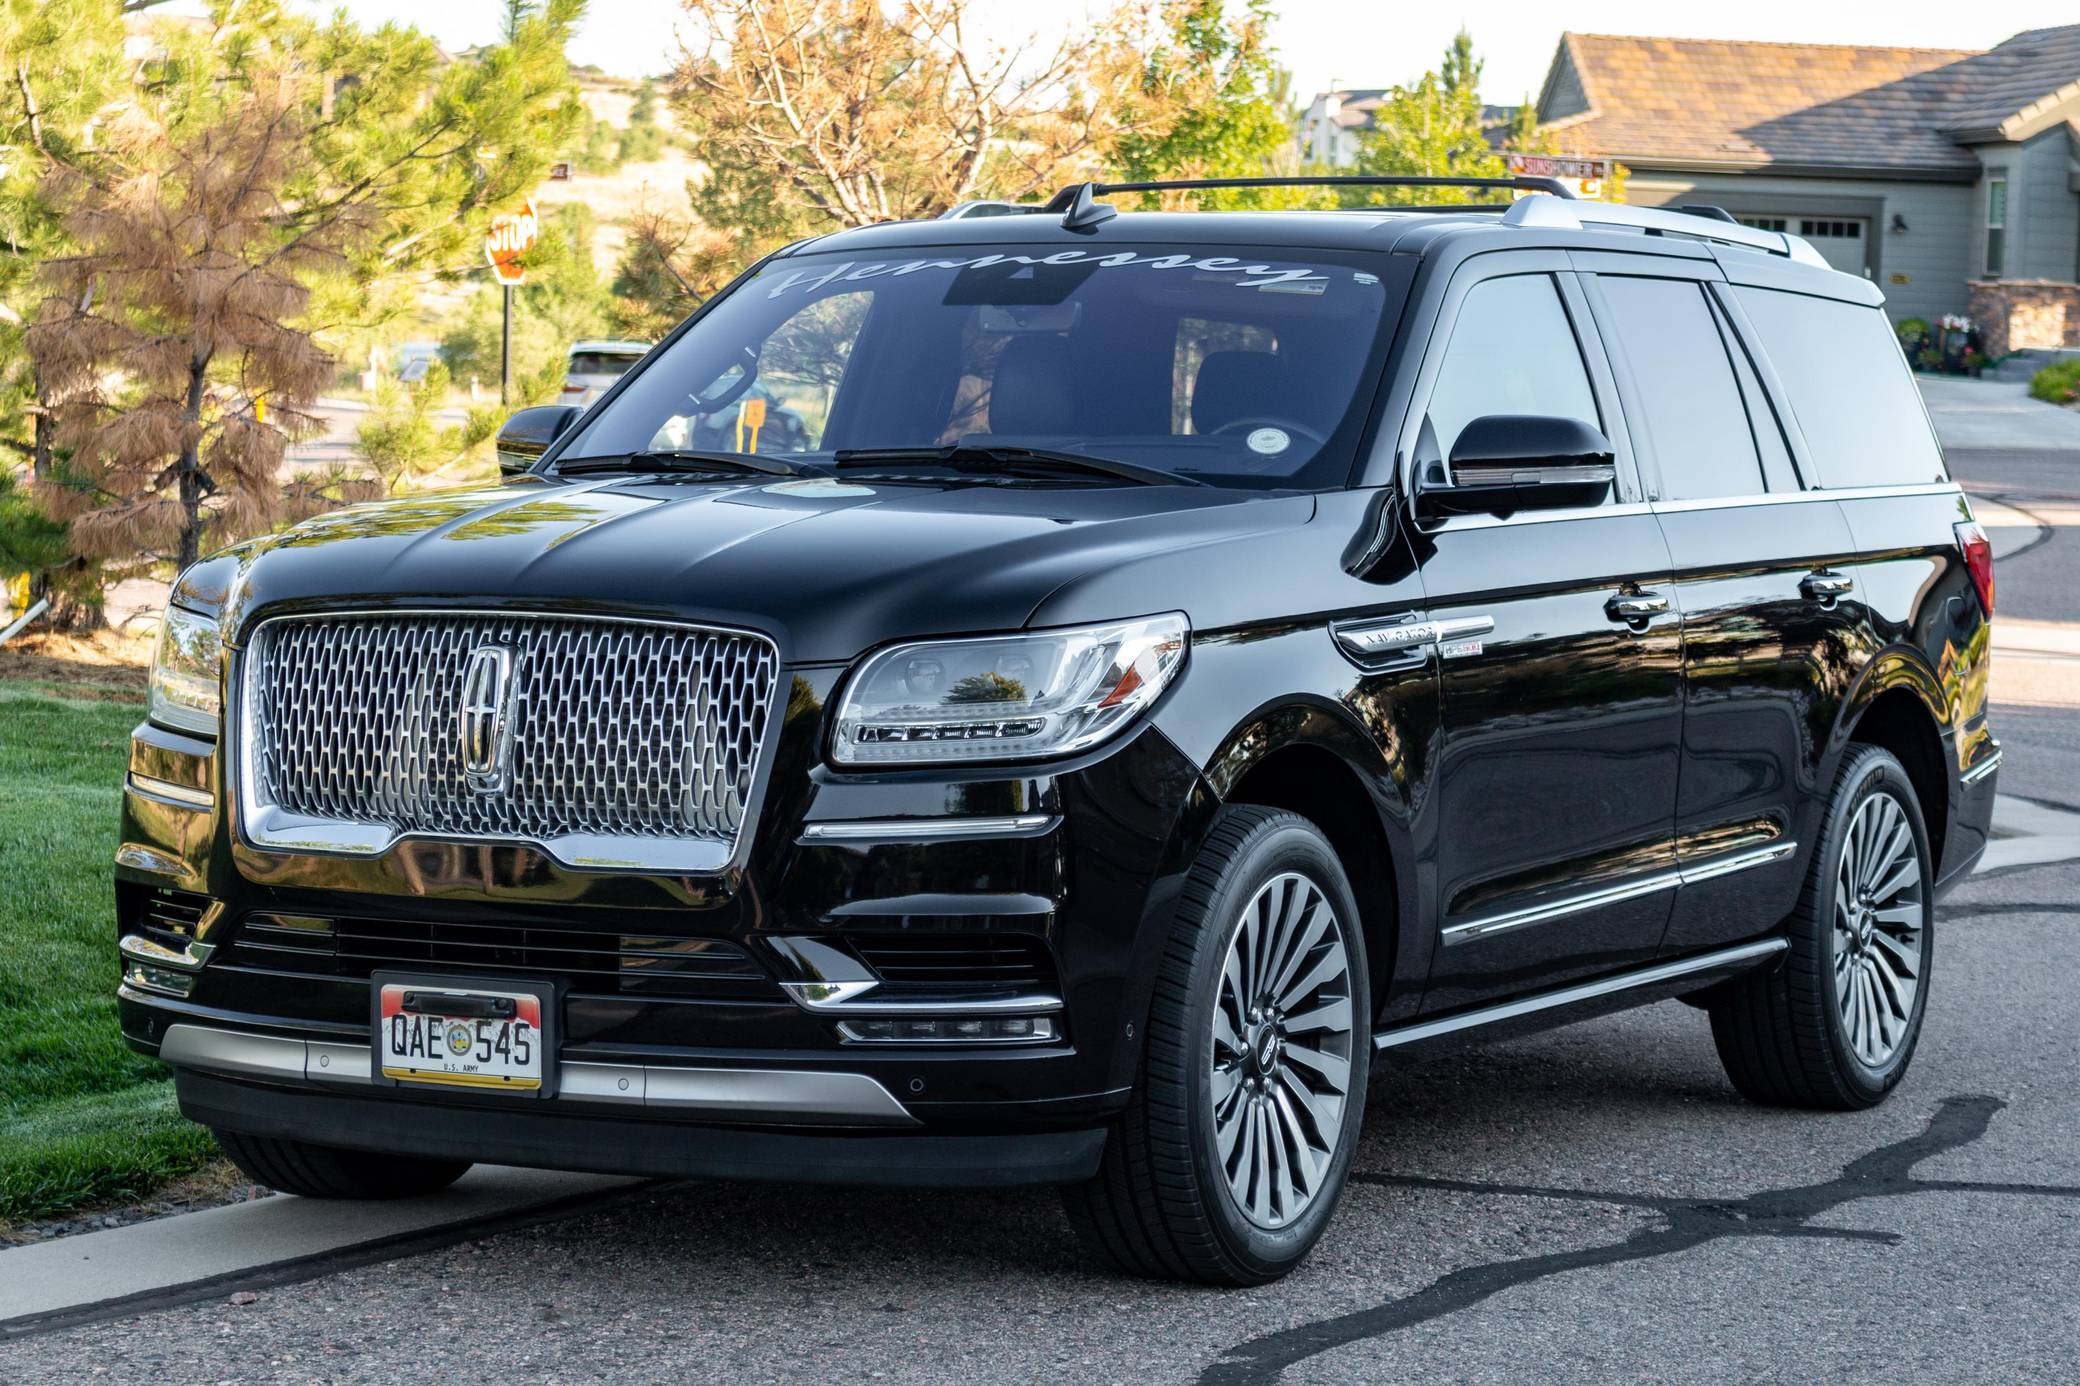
<point x="1712" y="102"/>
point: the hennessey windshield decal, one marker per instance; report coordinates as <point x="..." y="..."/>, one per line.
<point x="1249" y="276"/>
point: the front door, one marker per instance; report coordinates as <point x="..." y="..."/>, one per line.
<point x="1560" y="664"/>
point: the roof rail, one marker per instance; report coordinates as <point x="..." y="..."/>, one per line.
<point x="1578" y="216"/>
<point x="985" y="207"/>
<point x="1066" y="200"/>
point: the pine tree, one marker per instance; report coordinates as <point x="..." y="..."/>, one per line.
<point x="61" y="59"/>
<point x="259" y="187"/>
<point x="1432" y="128"/>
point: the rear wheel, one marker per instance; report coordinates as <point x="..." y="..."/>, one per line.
<point x="324" y="1171"/>
<point x="1228" y="1163"/>
<point x="1836" y="1025"/>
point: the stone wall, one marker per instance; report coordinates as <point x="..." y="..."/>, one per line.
<point x="2016" y="314"/>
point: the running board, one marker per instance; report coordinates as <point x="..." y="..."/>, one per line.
<point x="1587" y="991"/>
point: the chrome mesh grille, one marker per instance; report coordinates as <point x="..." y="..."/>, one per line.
<point x="620" y="730"/>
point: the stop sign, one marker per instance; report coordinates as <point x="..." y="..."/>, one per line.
<point x="512" y="236"/>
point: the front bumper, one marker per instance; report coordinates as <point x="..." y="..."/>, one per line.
<point x="1087" y="860"/>
<point x="602" y="1140"/>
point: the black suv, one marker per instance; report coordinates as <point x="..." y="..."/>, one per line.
<point x="1170" y="665"/>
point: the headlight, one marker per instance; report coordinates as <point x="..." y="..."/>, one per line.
<point x="1050" y="693"/>
<point x="187" y="673"/>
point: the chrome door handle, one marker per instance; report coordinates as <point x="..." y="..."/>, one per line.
<point x="1825" y="586"/>
<point x="1635" y="606"/>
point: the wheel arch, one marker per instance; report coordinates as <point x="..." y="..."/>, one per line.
<point x="1312" y="758"/>
<point x="1899" y="705"/>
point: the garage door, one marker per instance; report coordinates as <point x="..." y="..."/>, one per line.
<point x="1841" y="241"/>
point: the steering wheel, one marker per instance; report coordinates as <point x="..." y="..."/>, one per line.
<point x="1292" y="428"/>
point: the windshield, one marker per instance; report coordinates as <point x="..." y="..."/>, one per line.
<point x="1244" y="368"/>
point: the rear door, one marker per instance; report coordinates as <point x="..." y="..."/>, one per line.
<point x="1764" y="580"/>
<point x="1561" y="719"/>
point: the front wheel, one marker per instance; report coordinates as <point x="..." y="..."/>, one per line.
<point x="1836" y="1025"/>
<point x="1229" y="1160"/>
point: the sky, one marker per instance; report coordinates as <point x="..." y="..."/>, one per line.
<point x="1356" y="43"/>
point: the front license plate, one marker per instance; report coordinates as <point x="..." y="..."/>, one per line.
<point x="482" y="1036"/>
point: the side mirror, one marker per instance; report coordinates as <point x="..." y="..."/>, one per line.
<point x="1503" y="463"/>
<point x="528" y="434"/>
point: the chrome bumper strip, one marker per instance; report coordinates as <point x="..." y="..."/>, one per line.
<point x="779" y="1095"/>
<point x="855" y="999"/>
<point x="1587" y="991"/>
<point x="170" y="792"/>
<point x="1626" y="890"/>
<point x="929" y="829"/>
<point x="1978" y="772"/>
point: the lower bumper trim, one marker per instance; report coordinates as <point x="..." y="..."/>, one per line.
<point x="785" y="1096"/>
<point x="561" y="1135"/>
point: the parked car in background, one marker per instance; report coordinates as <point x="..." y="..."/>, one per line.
<point x="414" y="359"/>
<point x="1172" y="667"/>
<point x="595" y="366"/>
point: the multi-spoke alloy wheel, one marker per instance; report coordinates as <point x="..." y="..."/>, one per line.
<point x="1834" y="1023"/>
<point x="1281" y="1050"/>
<point x="1226" y="1163"/>
<point x="1878" y="917"/>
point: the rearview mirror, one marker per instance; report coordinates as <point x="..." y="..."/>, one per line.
<point x="528" y="434"/>
<point x="1503" y="463"/>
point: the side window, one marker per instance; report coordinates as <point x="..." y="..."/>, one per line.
<point x="800" y="366"/>
<point x="1849" y="389"/>
<point x="1777" y="467"/>
<point x="1696" y="426"/>
<point x="1512" y="351"/>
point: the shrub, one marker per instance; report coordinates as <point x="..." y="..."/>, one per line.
<point x="2058" y="383"/>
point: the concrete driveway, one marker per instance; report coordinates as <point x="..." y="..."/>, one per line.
<point x="1996" y="414"/>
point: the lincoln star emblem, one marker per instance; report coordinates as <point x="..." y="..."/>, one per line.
<point x="487" y="718"/>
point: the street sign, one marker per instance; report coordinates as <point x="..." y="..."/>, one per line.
<point x="512" y="236"/>
<point x="1586" y="175"/>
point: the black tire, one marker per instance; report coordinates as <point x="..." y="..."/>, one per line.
<point x="1161" y="1204"/>
<point x="1781" y="1035"/>
<point x="324" y="1171"/>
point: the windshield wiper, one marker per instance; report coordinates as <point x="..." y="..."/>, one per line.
<point x="683" y="460"/>
<point x="987" y="458"/>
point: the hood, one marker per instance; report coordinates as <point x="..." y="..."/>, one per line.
<point x="827" y="568"/>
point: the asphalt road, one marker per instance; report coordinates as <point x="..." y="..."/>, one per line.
<point x="1593" y="1204"/>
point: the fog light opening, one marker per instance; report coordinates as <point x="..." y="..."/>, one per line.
<point x="1012" y="1029"/>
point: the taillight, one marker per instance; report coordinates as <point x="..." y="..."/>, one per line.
<point x="1978" y="559"/>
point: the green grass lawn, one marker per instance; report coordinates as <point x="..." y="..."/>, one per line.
<point x="82" y="1119"/>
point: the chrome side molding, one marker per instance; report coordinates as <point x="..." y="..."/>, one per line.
<point x="1624" y="890"/>
<point x="737" y="1094"/>
<point x="1587" y="991"/>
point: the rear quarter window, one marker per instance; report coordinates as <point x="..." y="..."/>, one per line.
<point x="1849" y="389"/>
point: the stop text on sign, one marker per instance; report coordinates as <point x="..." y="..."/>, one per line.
<point x="512" y="236"/>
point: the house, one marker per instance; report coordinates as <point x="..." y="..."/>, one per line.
<point x="1333" y="124"/>
<point x="1951" y="178"/>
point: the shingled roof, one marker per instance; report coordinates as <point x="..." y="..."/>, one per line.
<point x="1706" y="102"/>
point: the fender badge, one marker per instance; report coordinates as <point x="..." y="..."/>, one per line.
<point x="1459" y="649"/>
